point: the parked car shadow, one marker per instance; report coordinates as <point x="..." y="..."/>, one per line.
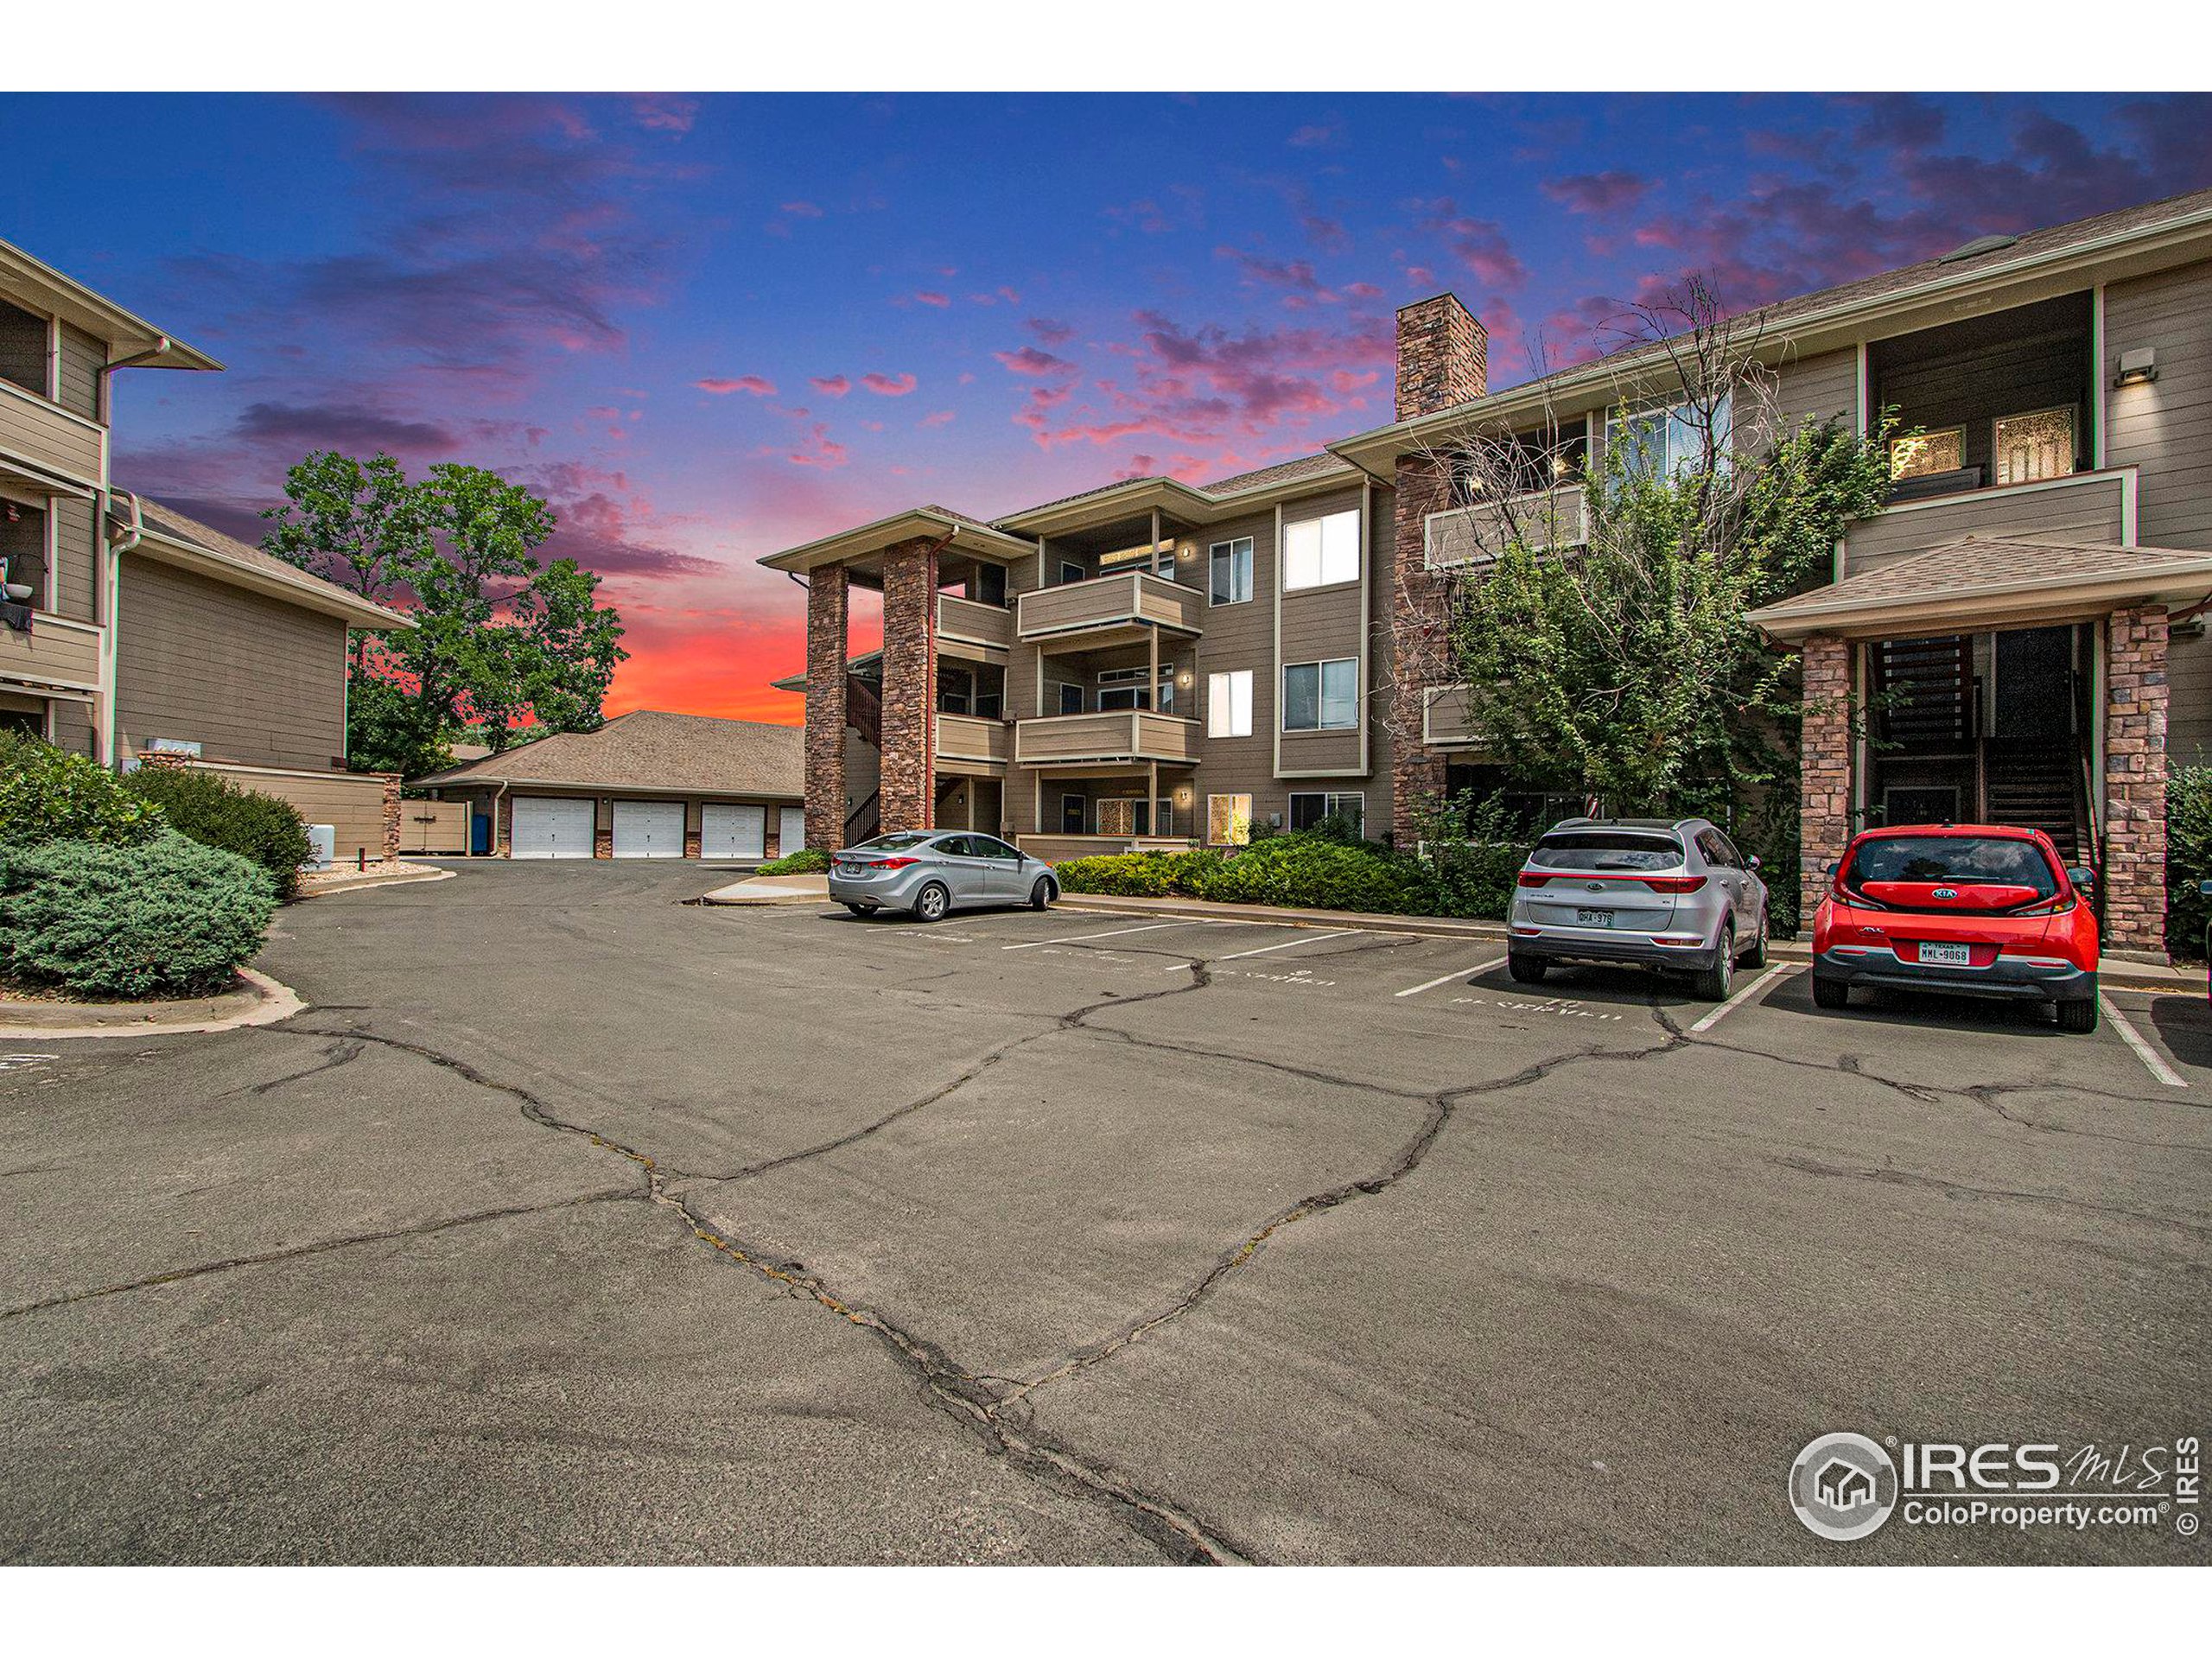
<point x="1879" y="1004"/>
<point x="1623" y="986"/>
<point x="2184" y="1025"/>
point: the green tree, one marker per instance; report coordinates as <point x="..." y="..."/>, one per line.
<point x="499" y="641"/>
<point x="1628" y="672"/>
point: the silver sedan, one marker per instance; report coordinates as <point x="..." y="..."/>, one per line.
<point x="930" y="872"/>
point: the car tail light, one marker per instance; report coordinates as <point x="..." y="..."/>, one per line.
<point x="1677" y="938"/>
<point x="1674" y="883"/>
<point x="1532" y="878"/>
<point x="895" y="863"/>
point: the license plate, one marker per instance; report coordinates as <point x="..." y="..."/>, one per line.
<point x="1593" y="919"/>
<point x="1946" y="955"/>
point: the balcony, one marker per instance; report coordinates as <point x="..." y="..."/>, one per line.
<point x="972" y="741"/>
<point x="48" y="437"/>
<point x="2098" y="506"/>
<point x="57" y="653"/>
<point x="965" y="621"/>
<point x="1123" y="735"/>
<point x="1447" y="717"/>
<point x="1472" y="538"/>
<point x="1105" y="611"/>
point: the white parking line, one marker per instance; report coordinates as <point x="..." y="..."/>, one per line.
<point x="1284" y="945"/>
<point x="1749" y="994"/>
<point x="1111" y="933"/>
<point x="1446" y="979"/>
<point x="2144" y="1052"/>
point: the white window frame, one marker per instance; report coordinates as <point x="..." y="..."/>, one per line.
<point x="1251" y="563"/>
<point x="1233" y="840"/>
<point x="1229" y="704"/>
<point x="1321" y="696"/>
<point x="1330" y="807"/>
<point x="1323" y="552"/>
<point x="1670" y="465"/>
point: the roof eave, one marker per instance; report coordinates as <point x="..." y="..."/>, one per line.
<point x="167" y="549"/>
<point x="97" y="314"/>
<point x="2178" y="584"/>
<point x="859" y="542"/>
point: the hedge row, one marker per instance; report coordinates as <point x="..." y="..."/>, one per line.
<point x="1314" y="872"/>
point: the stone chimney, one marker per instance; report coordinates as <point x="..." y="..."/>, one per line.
<point x="1442" y="356"/>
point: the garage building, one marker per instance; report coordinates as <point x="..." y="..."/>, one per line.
<point x="645" y="785"/>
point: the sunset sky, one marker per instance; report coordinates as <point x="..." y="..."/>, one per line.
<point x="708" y="327"/>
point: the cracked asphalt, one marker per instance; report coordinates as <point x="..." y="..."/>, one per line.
<point x="572" y="1223"/>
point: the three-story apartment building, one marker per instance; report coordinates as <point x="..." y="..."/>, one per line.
<point x="130" y="629"/>
<point x="1158" y="662"/>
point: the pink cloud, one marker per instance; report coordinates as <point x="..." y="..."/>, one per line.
<point x="800" y="210"/>
<point x="889" y="386"/>
<point x="1029" y="360"/>
<point x="1318" y="135"/>
<point x="930" y="297"/>
<point x="941" y="417"/>
<point x="830" y="386"/>
<point x="1479" y="243"/>
<point x="663" y="114"/>
<point x="722" y="387"/>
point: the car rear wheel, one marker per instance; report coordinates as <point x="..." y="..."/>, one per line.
<point x="2078" y="1017"/>
<point x="1530" y="970"/>
<point x="1756" y="957"/>
<point x="1716" y="982"/>
<point x="1830" y="993"/>
<point x="931" y="902"/>
<point x="1041" y="896"/>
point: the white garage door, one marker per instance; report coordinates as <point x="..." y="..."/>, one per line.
<point x="791" y="831"/>
<point x="648" y="829"/>
<point x="545" y="827"/>
<point x="732" y="831"/>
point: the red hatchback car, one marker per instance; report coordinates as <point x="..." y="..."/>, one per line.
<point x="1976" y="909"/>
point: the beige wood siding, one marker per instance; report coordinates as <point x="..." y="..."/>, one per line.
<point x="1105" y="736"/>
<point x="82" y="359"/>
<point x="433" y="826"/>
<point x="2164" y="429"/>
<point x="351" y="803"/>
<point x="54" y="652"/>
<point x="964" y="737"/>
<point x="1241" y="636"/>
<point x="964" y="619"/>
<point x="76" y="562"/>
<point x="35" y="430"/>
<point x="2087" y="506"/>
<point x="2189" y="693"/>
<point x="72" y="729"/>
<point x="1815" y="388"/>
<point x="248" y="677"/>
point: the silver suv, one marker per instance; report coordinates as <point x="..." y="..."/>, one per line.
<point x="1670" y="893"/>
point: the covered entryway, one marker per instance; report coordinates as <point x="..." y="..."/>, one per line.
<point x="733" y="830"/>
<point x="648" y="829"/>
<point x="2010" y="680"/>
<point x="546" y="826"/>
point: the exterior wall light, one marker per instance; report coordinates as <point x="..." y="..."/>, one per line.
<point x="2138" y="368"/>
<point x="1185" y="551"/>
<point x="1184" y="796"/>
<point x="1185" y="680"/>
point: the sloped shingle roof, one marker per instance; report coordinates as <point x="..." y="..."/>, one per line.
<point x="652" y="748"/>
<point x="251" y="561"/>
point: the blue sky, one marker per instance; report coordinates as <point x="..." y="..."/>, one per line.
<point x="706" y="327"/>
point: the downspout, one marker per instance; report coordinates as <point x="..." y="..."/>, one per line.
<point x="115" y="546"/>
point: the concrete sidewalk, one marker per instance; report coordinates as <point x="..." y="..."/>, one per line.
<point x="771" y="890"/>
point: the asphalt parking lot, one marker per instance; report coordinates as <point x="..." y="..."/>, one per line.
<point x="574" y="1223"/>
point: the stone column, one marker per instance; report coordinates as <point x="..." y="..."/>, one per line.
<point x="391" y="785"/>
<point x="2135" y="780"/>
<point x="829" y="595"/>
<point x="909" y="780"/>
<point x="1419" y="649"/>
<point x="1824" y="772"/>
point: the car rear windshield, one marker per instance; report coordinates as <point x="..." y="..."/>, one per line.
<point x="1961" y="861"/>
<point x="1606" y="849"/>
<point x="897" y="843"/>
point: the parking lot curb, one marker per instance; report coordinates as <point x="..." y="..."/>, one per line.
<point x="261" y="1002"/>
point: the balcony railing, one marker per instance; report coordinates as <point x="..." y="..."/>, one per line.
<point x="976" y="623"/>
<point x="48" y="436"/>
<point x="57" y="651"/>
<point x="967" y="737"/>
<point x="1132" y="599"/>
<point x="2097" y="506"/>
<point x="1471" y="538"/>
<point x="1448" y="716"/>
<point x="1119" y="734"/>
